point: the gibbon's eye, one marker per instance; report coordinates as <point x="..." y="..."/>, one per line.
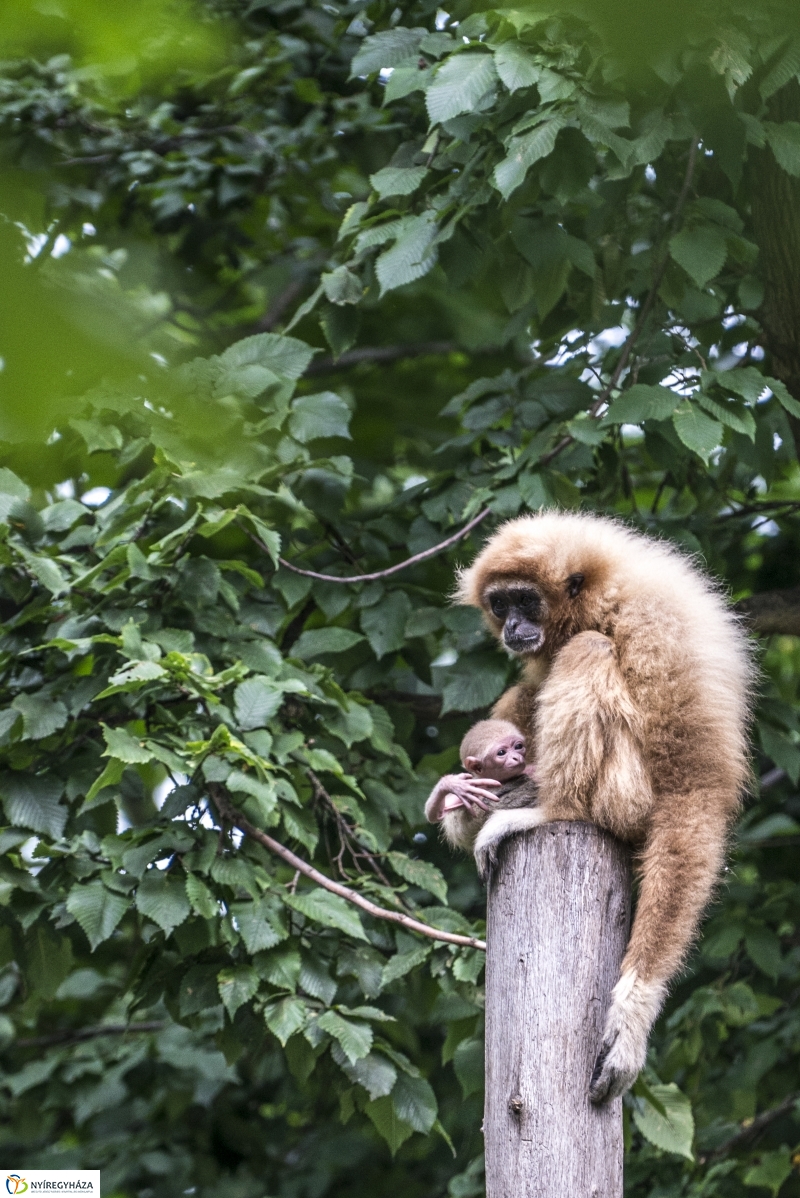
<point x="527" y="600"/>
<point x="501" y="752"/>
<point x="520" y="745"/>
<point x="574" y="584"/>
<point x="499" y="606"/>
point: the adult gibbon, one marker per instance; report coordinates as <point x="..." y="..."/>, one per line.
<point x="634" y="694"/>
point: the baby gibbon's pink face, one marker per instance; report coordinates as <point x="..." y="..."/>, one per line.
<point x="502" y="760"/>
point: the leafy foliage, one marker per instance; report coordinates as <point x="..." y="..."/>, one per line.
<point x="539" y="234"/>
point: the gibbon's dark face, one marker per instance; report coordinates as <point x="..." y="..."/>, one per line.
<point x="521" y="611"/>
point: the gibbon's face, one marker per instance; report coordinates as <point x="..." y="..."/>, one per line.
<point x="523" y="613"/>
<point x="504" y="759"/>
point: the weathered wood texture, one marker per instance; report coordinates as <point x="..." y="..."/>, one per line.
<point x="558" y="920"/>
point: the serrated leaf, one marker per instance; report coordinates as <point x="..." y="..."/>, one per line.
<point x="373" y="1072"/>
<point x="739" y="419"/>
<point x="110" y="776"/>
<point x="255" y="701"/>
<point x="46" y="571"/>
<point x="322" y="415"/>
<point x="385" y="49"/>
<point x="41" y="715"/>
<point x="328" y="909"/>
<point x="460" y="82"/>
<point x="384" y="1117"/>
<point x="282" y="968"/>
<point x="162" y="898"/>
<point x="415" y="1102"/>
<point x="237" y="986"/>
<point x="515" y="67"/>
<point x="325" y="640"/>
<point x="121" y="745"/>
<point x="672" y="1131"/>
<point x="201" y="898"/>
<point x="285" y="1017"/>
<point x="32" y="801"/>
<point x="781" y="393"/>
<point x="353" y="1036"/>
<point x="397" y="180"/>
<point x="402" y="963"/>
<point x="255" y="924"/>
<point x="98" y="437"/>
<point x="764" y="949"/>
<point x="420" y="873"/>
<point x="341" y="286"/>
<point x="474" y="681"/>
<point x="701" y="252"/>
<point x="784" y="141"/>
<point x="284" y="356"/>
<point x="642" y="402"/>
<point x="412" y="255"/>
<point x="523" y="151"/>
<point x="97" y="910"/>
<point x="697" y="431"/>
<point x="385" y="623"/>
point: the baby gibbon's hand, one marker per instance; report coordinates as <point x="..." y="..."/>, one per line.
<point x="463" y="790"/>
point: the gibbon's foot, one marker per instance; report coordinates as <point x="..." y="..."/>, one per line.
<point x="634" y="1007"/>
<point x="498" y="826"/>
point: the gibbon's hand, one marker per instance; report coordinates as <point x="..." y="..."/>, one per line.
<point x="460" y="790"/>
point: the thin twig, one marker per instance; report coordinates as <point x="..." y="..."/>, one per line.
<point x="75" y="1036"/>
<point x="753" y="1130"/>
<point x="228" y="812"/>
<point x="410" y="561"/>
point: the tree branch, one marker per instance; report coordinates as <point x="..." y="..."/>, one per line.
<point x="753" y="1130"/>
<point x="410" y="561"/>
<point x="75" y="1036"/>
<point x="229" y="812"/>
<point x="772" y="612"/>
<point x="380" y="355"/>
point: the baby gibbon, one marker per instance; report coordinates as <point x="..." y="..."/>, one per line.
<point x="634" y="692"/>
<point x="493" y="754"/>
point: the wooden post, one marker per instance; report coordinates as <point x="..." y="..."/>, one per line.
<point x="558" y="920"/>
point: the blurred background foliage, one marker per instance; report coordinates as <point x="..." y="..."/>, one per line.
<point x="329" y="280"/>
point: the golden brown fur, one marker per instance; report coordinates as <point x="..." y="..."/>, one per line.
<point x="636" y="705"/>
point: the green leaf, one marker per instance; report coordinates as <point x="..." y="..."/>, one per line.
<point x="413" y="254"/>
<point x="771" y="1170"/>
<point x="420" y="873"/>
<point x="41" y="716"/>
<point x="385" y="49"/>
<point x="255" y="701"/>
<point x="110" y="776"/>
<point x="385" y="623"/>
<point x="325" y="640"/>
<point x="469" y="1066"/>
<point x="387" y="1123"/>
<point x="672" y="1130"/>
<point x="764" y="949"/>
<point x="328" y="909"/>
<point x="162" y="898"/>
<point x="701" y="252"/>
<point x="46" y="571"/>
<point x="257" y="924"/>
<point x="415" y="1102"/>
<point x="341" y="286"/>
<point x="373" y="1072"/>
<point x="697" y="431"/>
<point x="200" y="897"/>
<point x="32" y="801"/>
<point x="402" y="963"/>
<point x="322" y="415"/>
<point x="515" y="67"/>
<point x="354" y="1037"/>
<point x="642" y="402"/>
<point x="397" y="180"/>
<point x="460" y="82"/>
<point x="285" y="1017"/>
<point x="281" y="968"/>
<point x="98" y="436"/>
<point x="781" y="393"/>
<point x="747" y="381"/>
<point x="278" y="355"/>
<point x="784" y="141"/>
<point x="237" y="986"/>
<point x="523" y="151"/>
<point x="97" y="910"/>
<point x="474" y="681"/>
<point x="123" y="747"/>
